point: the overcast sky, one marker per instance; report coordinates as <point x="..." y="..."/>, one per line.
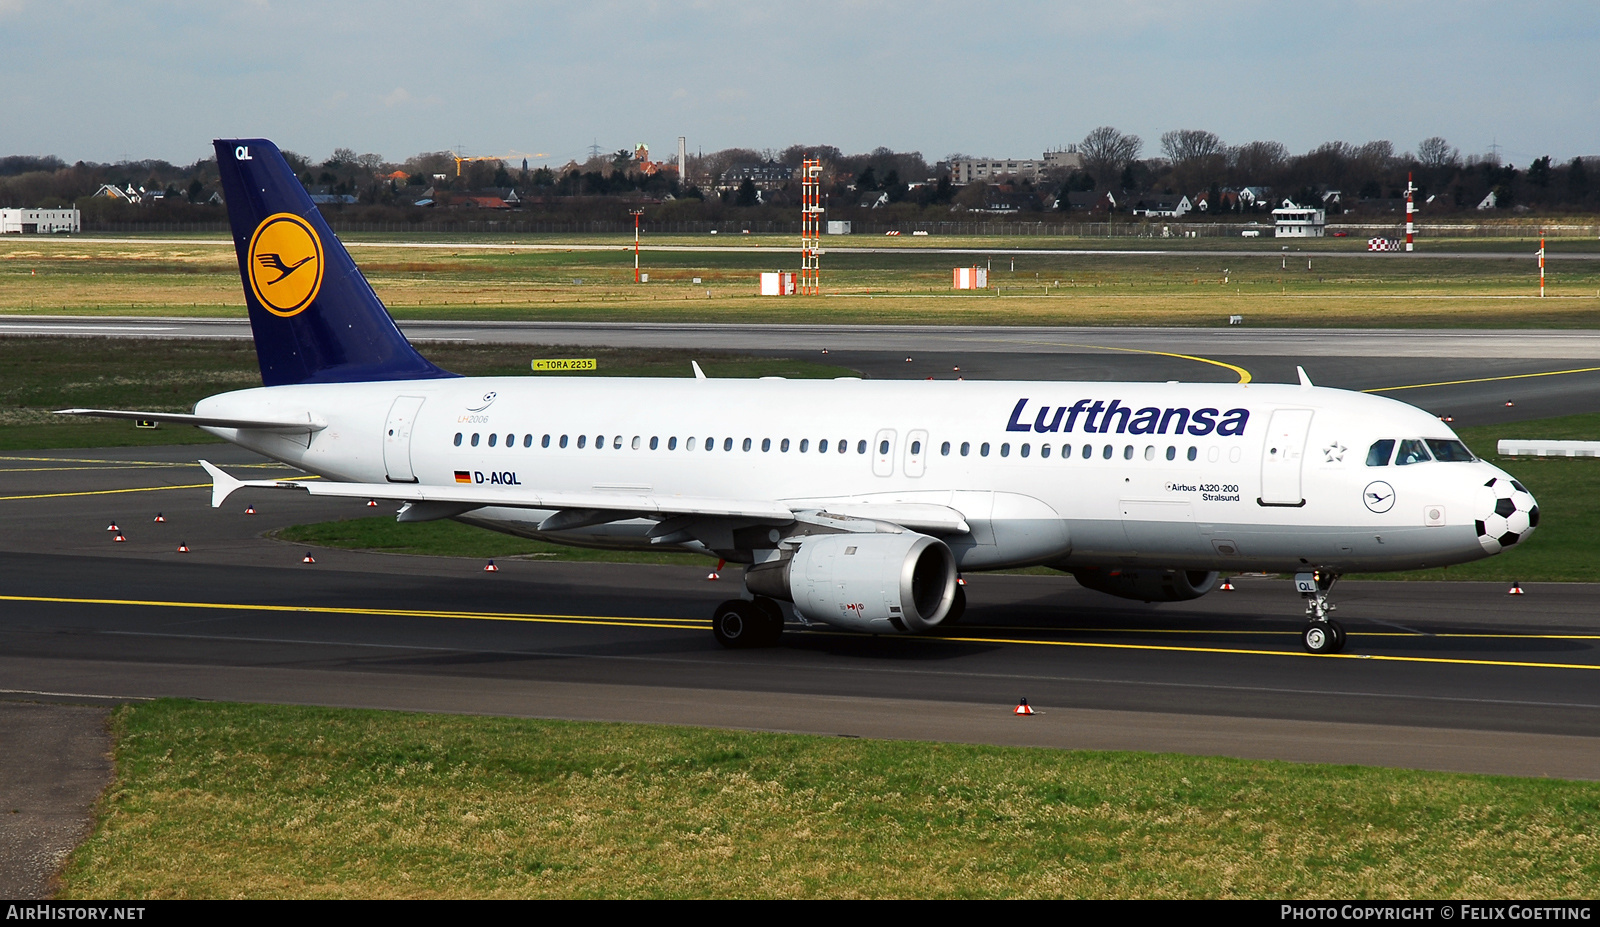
<point x="138" y="79"/>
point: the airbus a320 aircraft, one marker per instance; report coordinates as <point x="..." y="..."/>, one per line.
<point x="859" y="502"/>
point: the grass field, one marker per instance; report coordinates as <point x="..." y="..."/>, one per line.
<point x="218" y="800"/>
<point x="38" y="375"/>
<point x="907" y="283"/>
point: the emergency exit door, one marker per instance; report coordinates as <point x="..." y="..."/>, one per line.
<point x="397" y="439"/>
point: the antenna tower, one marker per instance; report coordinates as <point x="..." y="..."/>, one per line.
<point x="810" y="226"/>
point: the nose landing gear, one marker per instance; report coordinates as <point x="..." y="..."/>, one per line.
<point x="1322" y="634"/>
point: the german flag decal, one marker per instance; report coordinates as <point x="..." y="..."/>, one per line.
<point x="463" y="476"/>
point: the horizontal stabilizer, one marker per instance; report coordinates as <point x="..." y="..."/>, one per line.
<point x="306" y="424"/>
<point x="623" y="505"/>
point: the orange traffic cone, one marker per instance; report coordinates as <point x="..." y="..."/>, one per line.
<point x="119" y="538"/>
<point x="1022" y="708"/>
<point x="249" y="510"/>
<point x="183" y="548"/>
<point x="308" y="558"/>
<point x="160" y="518"/>
<point x="1516" y="589"/>
<point x="490" y="567"/>
<point x="1227" y="585"/>
<point x="717" y="573"/>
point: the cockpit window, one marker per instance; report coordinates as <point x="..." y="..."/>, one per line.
<point x="1411" y="451"/>
<point x="1378" y="454"/>
<point x="1449" y="451"/>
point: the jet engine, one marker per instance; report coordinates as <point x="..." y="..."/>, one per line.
<point x="883" y="583"/>
<point x="1148" y="585"/>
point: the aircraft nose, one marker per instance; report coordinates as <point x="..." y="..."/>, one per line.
<point x="1505" y="513"/>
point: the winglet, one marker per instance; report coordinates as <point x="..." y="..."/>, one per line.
<point x="1305" y="381"/>
<point x="698" y="373"/>
<point x="222" y="485"/>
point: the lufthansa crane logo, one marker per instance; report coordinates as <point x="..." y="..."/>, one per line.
<point x="285" y="264"/>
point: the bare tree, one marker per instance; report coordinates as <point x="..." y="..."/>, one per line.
<point x="1181" y="145"/>
<point x="1436" y="153"/>
<point x="1106" y="152"/>
<point x="1259" y="163"/>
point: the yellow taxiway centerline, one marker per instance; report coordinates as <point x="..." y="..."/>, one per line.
<point x="1510" y="376"/>
<point x="682" y="624"/>
<point x="103" y="492"/>
<point x="686" y="624"/>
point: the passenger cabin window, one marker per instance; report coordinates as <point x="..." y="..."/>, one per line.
<point x="527" y="440"/>
<point x="1066" y="451"/>
<point x="861" y="447"/>
<point x="805" y="445"/>
<point x="458" y="439"/>
<point x="582" y="441"/>
<point x="727" y="444"/>
<point x="545" y="441"/>
<point x="1411" y="451"/>
<point x="672" y="444"/>
<point x="563" y="440"/>
<point x="474" y="439"/>
<point x="966" y="448"/>
<point x="983" y="449"/>
<point x="944" y="449"/>
<point x="1378" y="454"/>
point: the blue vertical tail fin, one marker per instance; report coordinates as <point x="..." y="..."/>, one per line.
<point x="314" y="316"/>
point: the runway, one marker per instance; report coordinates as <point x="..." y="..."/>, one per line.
<point x="1469" y="375"/>
<point x="1437" y="676"/>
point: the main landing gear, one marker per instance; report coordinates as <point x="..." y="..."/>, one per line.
<point x="742" y="623"/>
<point x="1322" y="634"/>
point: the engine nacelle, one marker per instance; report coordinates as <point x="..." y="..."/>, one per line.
<point x="1148" y="585"/>
<point x="883" y="583"/>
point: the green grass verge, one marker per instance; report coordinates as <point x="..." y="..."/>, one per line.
<point x="219" y="800"/>
<point x="1176" y="284"/>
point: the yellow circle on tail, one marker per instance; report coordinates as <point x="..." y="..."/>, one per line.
<point x="284" y="264"/>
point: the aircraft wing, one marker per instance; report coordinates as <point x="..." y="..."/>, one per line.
<point x="624" y="505"/>
<point x="309" y="423"/>
<point x="579" y="509"/>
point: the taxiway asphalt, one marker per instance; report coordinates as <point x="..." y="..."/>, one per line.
<point x="1437" y="675"/>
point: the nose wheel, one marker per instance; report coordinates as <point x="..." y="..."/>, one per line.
<point x="1322" y="635"/>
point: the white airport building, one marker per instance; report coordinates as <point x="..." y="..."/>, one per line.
<point x="1299" y="221"/>
<point x="39" y="221"/>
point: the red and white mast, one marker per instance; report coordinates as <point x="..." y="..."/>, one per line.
<point x="1411" y="212"/>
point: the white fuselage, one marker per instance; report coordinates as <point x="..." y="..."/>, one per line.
<point x="1179" y="476"/>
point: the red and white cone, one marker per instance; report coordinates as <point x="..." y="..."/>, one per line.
<point x="717" y="573"/>
<point x="308" y="558"/>
<point x="1516" y="589"/>
<point x="183" y="548"/>
<point x="1227" y="585"/>
<point x="119" y="538"/>
<point x="113" y="527"/>
<point x="1022" y="708"/>
<point x="160" y="518"/>
<point x="490" y="567"/>
<point x="249" y="510"/>
<point x="372" y="503"/>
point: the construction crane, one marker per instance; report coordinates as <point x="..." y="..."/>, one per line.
<point x="459" y="159"/>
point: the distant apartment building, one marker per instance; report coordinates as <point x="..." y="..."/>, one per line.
<point x="767" y="176"/>
<point x="986" y="170"/>
<point x="39" y="221"/>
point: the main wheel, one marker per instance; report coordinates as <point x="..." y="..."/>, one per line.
<point x="771" y="620"/>
<point x="1319" y="638"/>
<point x="740" y="625"/>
